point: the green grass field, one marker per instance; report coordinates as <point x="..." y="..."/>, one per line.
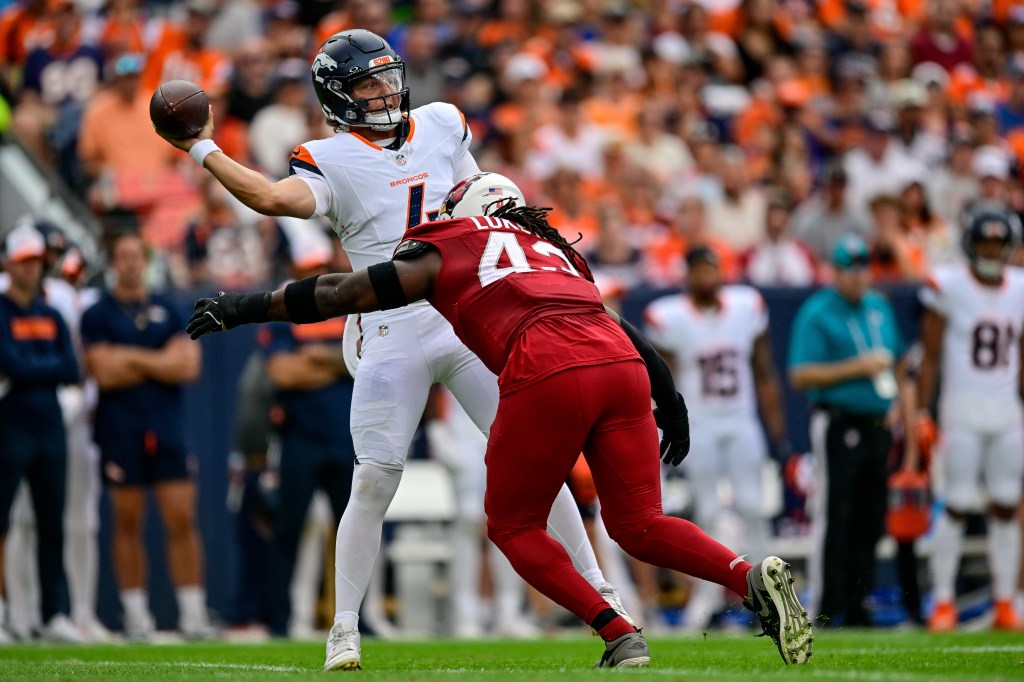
<point x="838" y="655"/>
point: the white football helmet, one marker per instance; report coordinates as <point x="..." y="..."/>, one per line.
<point x="480" y="195"/>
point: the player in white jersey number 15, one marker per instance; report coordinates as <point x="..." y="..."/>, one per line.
<point x="972" y="330"/>
<point x="383" y="173"/>
<point x="716" y="339"/>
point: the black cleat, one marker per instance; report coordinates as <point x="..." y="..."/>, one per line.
<point x="628" y="651"/>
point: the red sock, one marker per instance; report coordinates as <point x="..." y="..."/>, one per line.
<point x="682" y="546"/>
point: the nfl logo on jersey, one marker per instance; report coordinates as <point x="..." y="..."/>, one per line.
<point x="383" y="330"/>
<point x="400" y="160"/>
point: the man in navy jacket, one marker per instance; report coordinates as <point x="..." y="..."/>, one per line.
<point x="36" y="356"/>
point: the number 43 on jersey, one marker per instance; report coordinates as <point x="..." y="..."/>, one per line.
<point x="507" y="243"/>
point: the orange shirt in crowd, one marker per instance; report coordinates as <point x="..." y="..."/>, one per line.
<point x="21" y="32"/>
<point x="123" y="35"/>
<point x="331" y="23"/>
<point x="965" y="83"/>
<point x="172" y="58"/>
<point x="585" y="224"/>
<point x="119" y="135"/>
<point x="494" y="32"/>
<point x="665" y="256"/>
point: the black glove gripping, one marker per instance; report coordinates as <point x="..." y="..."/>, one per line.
<point x="227" y="311"/>
<point x="674" y="422"/>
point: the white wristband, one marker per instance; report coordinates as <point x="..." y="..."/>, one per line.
<point x="200" y="150"/>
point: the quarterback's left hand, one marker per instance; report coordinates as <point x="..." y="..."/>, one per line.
<point x="675" y="429"/>
<point x="227" y="311"/>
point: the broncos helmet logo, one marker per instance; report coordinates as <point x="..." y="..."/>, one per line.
<point x="323" y="61"/>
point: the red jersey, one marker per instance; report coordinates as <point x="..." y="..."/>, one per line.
<point x="519" y="302"/>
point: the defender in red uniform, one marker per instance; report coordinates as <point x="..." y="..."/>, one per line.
<point x="571" y="379"/>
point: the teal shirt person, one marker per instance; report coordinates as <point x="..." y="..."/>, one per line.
<point x="845" y="341"/>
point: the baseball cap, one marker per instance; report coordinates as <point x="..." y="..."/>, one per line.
<point x="990" y="162"/>
<point x="700" y="254"/>
<point x="908" y="93"/>
<point x="23" y="243"/>
<point x="851" y="252"/>
<point x="879" y="121"/>
<point x="205" y="8"/>
<point x="523" y="67"/>
<point x="128" y="65"/>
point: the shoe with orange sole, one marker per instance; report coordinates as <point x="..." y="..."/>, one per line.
<point x="1006" y="617"/>
<point x="944" y="618"/>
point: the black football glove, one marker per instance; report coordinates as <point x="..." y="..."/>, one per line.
<point x="227" y="311"/>
<point x="674" y="423"/>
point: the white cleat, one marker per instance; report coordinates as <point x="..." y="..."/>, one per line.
<point x="343" y="648"/>
<point x="60" y="630"/>
<point x="611" y="595"/>
<point x="772" y="597"/>
<point x="95" y="632"/>
<point x="139" y="628"/>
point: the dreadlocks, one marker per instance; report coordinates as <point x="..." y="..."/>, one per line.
<point x="535" y="219"/>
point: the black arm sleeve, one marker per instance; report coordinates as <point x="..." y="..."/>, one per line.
<point x="386" y="285"/>
<point x="663" y="388"/>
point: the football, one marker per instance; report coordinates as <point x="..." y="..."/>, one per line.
<point x="179" y="109"/>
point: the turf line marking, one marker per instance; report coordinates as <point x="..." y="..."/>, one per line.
<point x="981" y="649"/>
<point x="201" y="665"/>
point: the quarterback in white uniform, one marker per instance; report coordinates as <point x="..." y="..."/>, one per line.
<point x="716" y="340"/>
<point x="373" y="185"/>
<point x="972" y="331"/>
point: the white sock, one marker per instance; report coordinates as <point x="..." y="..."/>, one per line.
<point x="465" y="571"/>
<point x="191" y="604"/>
<point x="1003" y="556"/>
<point x="349" y="620"/>
<point x="566" y="526"/>
<point x="358" y="541"/>
<point x="3" y="613"/>
<point x="135" y="603"/>
<point x="945" y="559"/>
<point x="81" y="562"/>
<point x="594" y="576"/>
<point x="22" y="571"/>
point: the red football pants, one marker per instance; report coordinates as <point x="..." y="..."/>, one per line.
<point x="605" y="412"/>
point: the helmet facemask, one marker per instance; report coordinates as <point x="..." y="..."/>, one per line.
<point x="381" y="112"/>
<point x="991" y="268"/>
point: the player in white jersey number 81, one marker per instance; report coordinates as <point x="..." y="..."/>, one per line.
<point x="378" y="177"/>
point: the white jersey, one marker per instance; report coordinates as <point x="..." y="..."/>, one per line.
<point x="372" y="195"/>
<point x="981" y="346"/>
<point x="712" y="348"/>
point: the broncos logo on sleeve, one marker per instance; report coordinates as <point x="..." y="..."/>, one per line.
<point x="301" y="158"/>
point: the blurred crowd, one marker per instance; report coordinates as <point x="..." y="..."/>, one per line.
<point x="760" y="128"/>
